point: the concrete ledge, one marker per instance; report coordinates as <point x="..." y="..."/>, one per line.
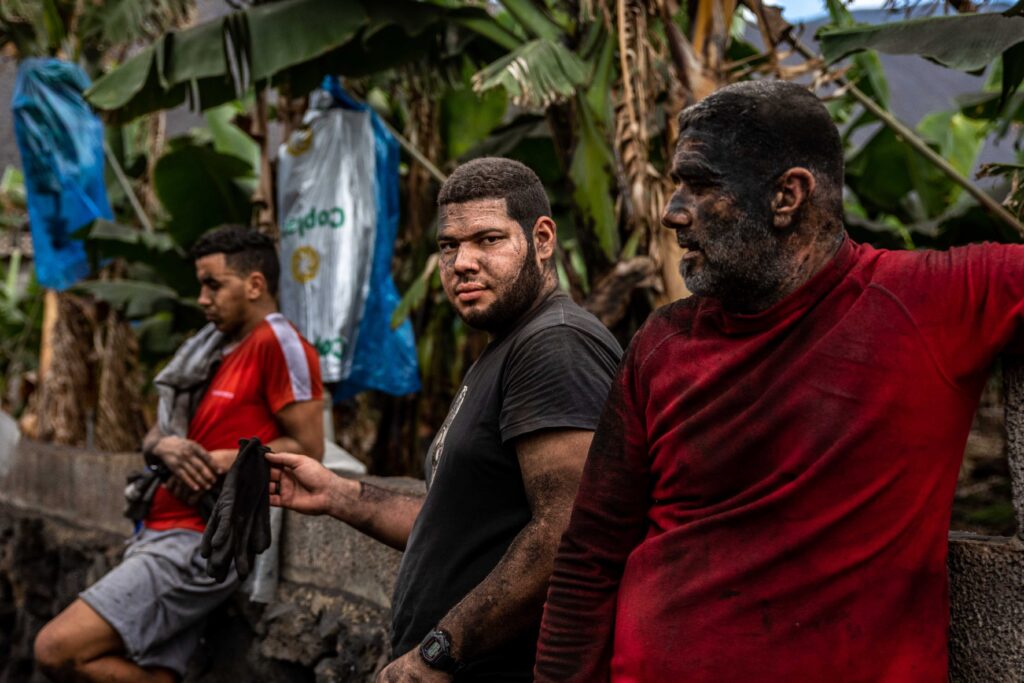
<point x="84" y="489"/>
<point x="986" y="639"/>
<point x="322" y="558"/>
<point x="325" y="553"/>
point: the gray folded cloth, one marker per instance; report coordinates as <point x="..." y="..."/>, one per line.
<point x="181" y="384"/>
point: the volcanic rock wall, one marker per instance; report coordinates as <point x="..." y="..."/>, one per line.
<point x="61" y="529"/>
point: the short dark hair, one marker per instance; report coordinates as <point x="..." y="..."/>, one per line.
<point x="766" y="127"/>
<point x="245" y="250"/>
<point x="498" y="178"/>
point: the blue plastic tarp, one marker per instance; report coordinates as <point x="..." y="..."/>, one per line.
<point x="61" y="145"/>
<point x="385" y="359"/>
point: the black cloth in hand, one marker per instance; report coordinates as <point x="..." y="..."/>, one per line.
<point x="239" y="528"/>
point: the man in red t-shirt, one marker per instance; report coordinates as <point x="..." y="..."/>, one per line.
<point x="142" y="621"/>
<point x="768" y="493"/>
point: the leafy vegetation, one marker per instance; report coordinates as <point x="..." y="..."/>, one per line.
<point x="584" y="93"/>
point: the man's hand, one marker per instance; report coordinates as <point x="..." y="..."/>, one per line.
<point x="304" y="485"/>
<point x="188" y="461"/>
<point x="182" y="491"/>
<point x="410" y="668"/>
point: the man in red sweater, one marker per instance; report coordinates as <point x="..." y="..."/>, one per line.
<point x="768" y="492"/>
<point x="142" y="620"/>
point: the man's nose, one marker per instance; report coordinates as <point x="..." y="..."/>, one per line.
<point x="204" y="298"/>
<point x="466" y="260"/>
<point x="676" y="217"/>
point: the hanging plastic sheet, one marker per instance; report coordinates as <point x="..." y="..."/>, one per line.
<point x="61" y="146"/>
<point x="338" y="203"/>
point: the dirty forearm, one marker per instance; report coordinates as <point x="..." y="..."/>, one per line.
<point x="508" y="602"/>
<point x="380" y="513"/>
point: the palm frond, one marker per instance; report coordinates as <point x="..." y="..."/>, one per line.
<point x="122" y="22"/>
<point x="537" y="74"/>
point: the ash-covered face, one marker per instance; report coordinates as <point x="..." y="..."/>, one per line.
<point x="489" y="269"/>
<point x="724" y="221"/>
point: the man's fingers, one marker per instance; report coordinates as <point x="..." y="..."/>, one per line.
<point x="186" y="477"/>
<point x="202" y="454"/>
<point x="201" y="478"/>
<point x="201" y="474"/>
<point x="289" y="460"/>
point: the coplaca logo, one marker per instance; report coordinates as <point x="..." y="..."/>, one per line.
<point x="333" y="218"/>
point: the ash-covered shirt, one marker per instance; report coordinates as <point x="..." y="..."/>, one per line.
<point x="551" y="372"/>
<point x="768" y="496"/>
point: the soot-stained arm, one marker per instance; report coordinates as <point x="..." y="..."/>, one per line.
<point x="508" y="602"/>
<point x="382" y="514"/>
<point x="302" y="484"/>
<point x="608" y="522"/>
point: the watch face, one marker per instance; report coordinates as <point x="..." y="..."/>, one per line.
<point x="433" y="649"/>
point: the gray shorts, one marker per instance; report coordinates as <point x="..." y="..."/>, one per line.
<point x="157" y="599"/>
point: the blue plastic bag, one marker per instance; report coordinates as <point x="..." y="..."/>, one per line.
<point x="384" y="359"/>
<point x="61" y="145"/>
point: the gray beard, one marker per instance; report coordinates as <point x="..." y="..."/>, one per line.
<point x="744" y="265"/>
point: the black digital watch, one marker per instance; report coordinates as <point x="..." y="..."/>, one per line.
<point x="436" y="651"/>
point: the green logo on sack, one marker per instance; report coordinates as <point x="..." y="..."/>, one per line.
<point x="323" y="218"/>
<point x="333" y="347"/>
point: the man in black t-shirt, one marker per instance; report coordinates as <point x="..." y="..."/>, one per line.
<point x="503" y="470"/>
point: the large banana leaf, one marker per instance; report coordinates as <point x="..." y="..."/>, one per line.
<point x="155" y="251"/>
<point x="966" y="42"/>
<point x="866" y="70"/>
<point x="591" y="172"/>
<point x="133" y="298"/>
<point x="294" y="41"/>
<point x="468" y="117"/>
<point x="215" y="61"/>
<point x="891" y="178"/>
<point x="126" y="21"/>
<point x="202" y="188"/>
<point x="536" y="74"/>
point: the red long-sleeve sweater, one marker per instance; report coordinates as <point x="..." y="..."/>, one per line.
<point x="767" y="497"/>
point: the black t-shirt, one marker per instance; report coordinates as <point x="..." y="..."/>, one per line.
<point x="552" y="371"/>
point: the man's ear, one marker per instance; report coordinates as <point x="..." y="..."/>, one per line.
<point x="255" y="285"/>
<point x="545" y="238"/>
<point x="792" y="191"/>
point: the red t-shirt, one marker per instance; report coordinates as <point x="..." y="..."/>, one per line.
<point x="272" y="367"/>
<point x="768" y="496"/>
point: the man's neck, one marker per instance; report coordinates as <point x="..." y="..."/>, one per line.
<point x="550" y="284"/>
<point x="259" y="311"/>
<point x="806" y="261"/>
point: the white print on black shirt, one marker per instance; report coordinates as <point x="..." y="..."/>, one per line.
<point x="435" y="457"/>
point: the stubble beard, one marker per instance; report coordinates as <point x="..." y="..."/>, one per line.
<point x="744" y="264"/>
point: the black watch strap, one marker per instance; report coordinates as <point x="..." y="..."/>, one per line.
<point x="436" y="651"/>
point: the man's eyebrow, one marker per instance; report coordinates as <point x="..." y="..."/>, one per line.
<point x="695" y="168"/>
<point x="476" y="234"/>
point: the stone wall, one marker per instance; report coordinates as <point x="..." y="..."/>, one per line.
<point x="61" y="529"/>
<point x="987" y="574"/>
